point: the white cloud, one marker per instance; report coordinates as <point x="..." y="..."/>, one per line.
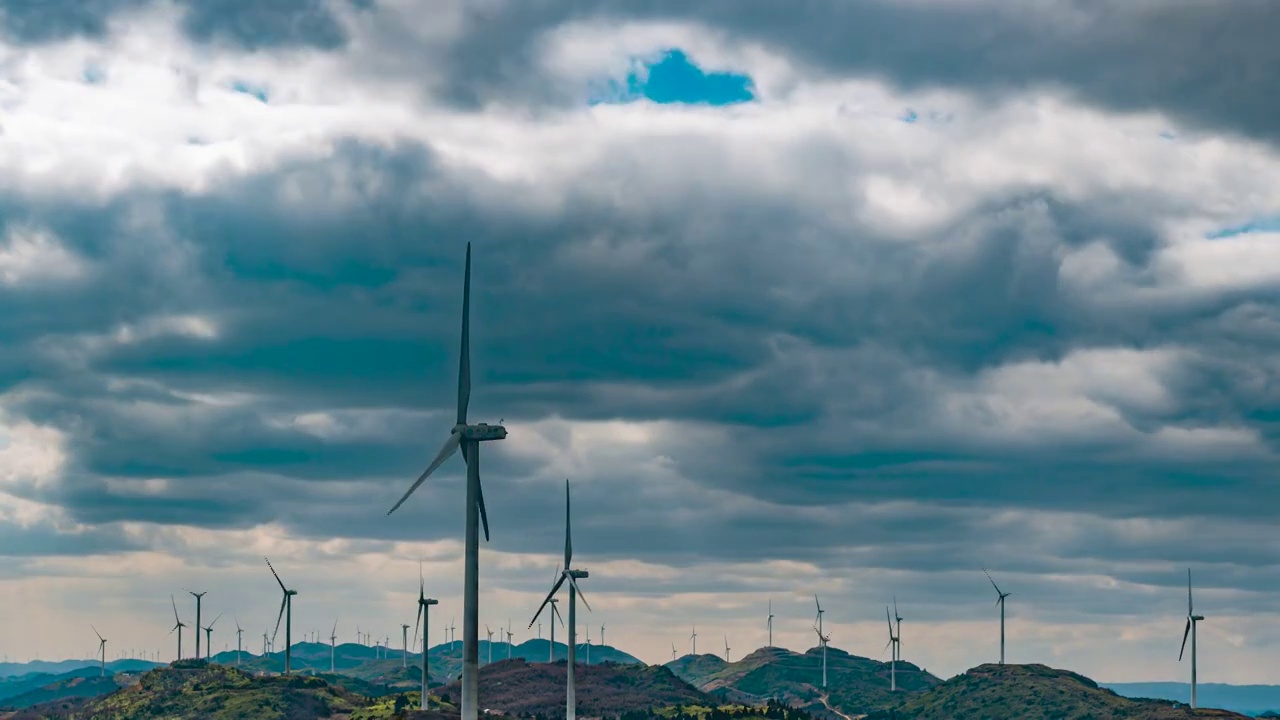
<point x="32" y="256"/>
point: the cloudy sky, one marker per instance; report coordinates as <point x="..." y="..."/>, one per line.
<point x="846" y="297"/>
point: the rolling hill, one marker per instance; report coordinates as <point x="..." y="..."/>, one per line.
<point x="855" y="685"/>
<point x="1032" y="692"/>
<point x="1248" y="699"/>
<point x="519" y="687"/>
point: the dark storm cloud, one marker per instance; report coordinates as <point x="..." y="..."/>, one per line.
<point x="1203" y="62"/>
<point x="805" y="355"/>
<point x="249" y="24"/>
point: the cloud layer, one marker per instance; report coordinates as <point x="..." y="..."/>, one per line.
<point x="999" y="294"/>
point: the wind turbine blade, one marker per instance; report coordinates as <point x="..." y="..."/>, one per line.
<point x="416" y="622"/>
<point x="886" y="646"/>
<point x="273" y="572"/>
<point x="335" y="628"/>
<point x="233" y="617"/>
<point x="890" y="621"/>
<point x="815" y="602"/>
<point x="568" y="537"/>
<point x="464" y="361"/>
<point x="484" y="514"/>
<point x="278" y="619"/>
<point x="547" y="601"/>
<point x="176" y="619"/>
<point x="1185" y="633"/>
<point x="449" y="448"/>
<point x="95" y="632"/>
<point x="555" y="610"/>
<point x="895" y="607"/>
<point x="581" y="597"/>
<point x="993" y="582"/>
<point x="216" y="619"/>
<point x="1189" y="610"/>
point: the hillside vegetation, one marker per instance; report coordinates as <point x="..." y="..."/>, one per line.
<point x="1033" y="692"/>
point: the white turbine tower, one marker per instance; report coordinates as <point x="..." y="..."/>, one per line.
<point x="1000" y="602"/>
<point x="468" y="438"/>
<point x="822" y="639"/>
<point x="424" y="607"/>
<point x="333" y="648"/>
<point x="239" y="639"/>
<point x="102" y="648"/>
<point x="770" y="623"/>
<point x="892" y="646"/>
<point x="573" y="576"/>
<point x="726" y="648"/>
<point x="1192" y="620"/>
<point x="555" y="615"/>
<point x="694" y="639"/>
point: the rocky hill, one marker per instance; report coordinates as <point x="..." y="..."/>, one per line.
<point x="517" y="687"/>
<point x="1032" y="692"/>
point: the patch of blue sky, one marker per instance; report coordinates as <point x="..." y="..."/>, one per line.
<point x="250" y="89"/>
<point x="94" y="74"/>
<point x="1259" y="225"/>
<point x="673" y="78"/>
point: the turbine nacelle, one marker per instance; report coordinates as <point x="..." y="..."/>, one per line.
<point x="578" y="574"/>
<point x="480" y="432"/>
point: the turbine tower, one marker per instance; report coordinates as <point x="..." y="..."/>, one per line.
<point x="404" y="629"/>
<point x="673" y="652"/>
<point x="822" y="639"/>
<point x="489" y="631"/>
<point x="467" y="437"/>
<point x="770" y="623"/>
<point x="1000" y="602"/>
<point x="198" y="596"/>
<point x="726" y="648"/>
<point x="333" y="648"/>
<point x="892" y="646"/>
<point x="601" y="634"/>
<point x="424" y="604"/>
<point x="555" y="613"/>
<point x="508" y="638"/>
<point x="1192" y="620"/>
<point x="102" y="648"/>
<point x="286" y="612"/>
<point x="177" y="625"/>
<point x="239" y="637"/>
<point x="208" y="637"/>
<point x="693" y="637"/>
<point x="573" y="576"/>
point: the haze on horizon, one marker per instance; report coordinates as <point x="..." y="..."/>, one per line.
<point x="845" y="297"/>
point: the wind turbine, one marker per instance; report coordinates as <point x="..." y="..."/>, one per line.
<point x="239" y="637"/>
<point x="1000" y="602"/>
<point x="673" y="652"/>
<point x="892" y="646"/>
<point x="177" y="625"/>
<point x="468" y="438"/>
<point x="197" y="596"/>
<point x="726" y="648"/>
<point x="588" y="644"/>
<point x="1192" y="619"/>
<point x="208" y="637"/>
<point x="509" y="639"/>
<point x="424" y="604"/>
<point x="286" y="611"/>
<point x="333" y="648"/>
<point x="102" y="648"/>
<point x="573" y="576"/>
<point x="822" y="639"/>
<point x="489" y="631"/>
<point x="694" y="639"/>
<point x="404" y="629"/>
<point x="770" y="622"/>
<point x="555" y="613"/>
<point x="601" y="634"/>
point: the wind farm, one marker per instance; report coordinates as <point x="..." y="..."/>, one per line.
<point x="697" y="306"/>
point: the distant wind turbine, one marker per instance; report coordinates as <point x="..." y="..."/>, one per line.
<point x="1192" y="620"/>
<point x="892" y="647"/>
<point x="822" y="639"/>
<point x="208" y="637"/>
<point x="424" y="605"/>
<point x="999" y="601"/>
<point x="404" y="629"/>
<point x="239" y="637"/>
<point x="770" y="623"/>
<point x="177" y="625"/>
<point x="468" y="438"/>
<point x="601" y="634"/>
<point x="555" y="615"/>
<point x="588" y="644"/>
<point x="573" y="576"/>
<point x="726" y="648"/>
<point x="102" y="648"/>
<point x="286" y="612"/>
<point x="693" y="638"/>
<point x="489" y="632"/>
<point x="198" y="596"/>
<point x="673" y="652"/>
<point x="333" y="648"/>
<point x="508" y="638"/>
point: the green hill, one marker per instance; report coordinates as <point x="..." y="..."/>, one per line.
<point x="855" y="685"/>
<point x="194" y="690"/>
<point x="1032" y="692"/>
<point x="72" y="687"/>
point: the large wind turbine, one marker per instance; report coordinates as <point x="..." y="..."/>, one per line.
<point x="822" y="639"/>
<point x="239" y="637"/>
<point x="424" y="604"/>
<point x="404" y="629"/>
<point x="333" y="648"/>
<point x="892" y="646"/>
<point x="693" y="638"/>
<point x="555" y="615"/>
<point x="573" y="576"/>
<point x="726" y="648"/>
<point x="1192" y="619"/>
<point x="286" y="611"/>
<point x="467" y="437"/>
<point x="177" y="625"/>
<point x="208" y="637"/>
<point x="102" y="648"/>
<point x="770" y="623"/>
<point x="489" y="631"/>
<point x="198" y="596"/>
<point x="1000" y="602"/>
